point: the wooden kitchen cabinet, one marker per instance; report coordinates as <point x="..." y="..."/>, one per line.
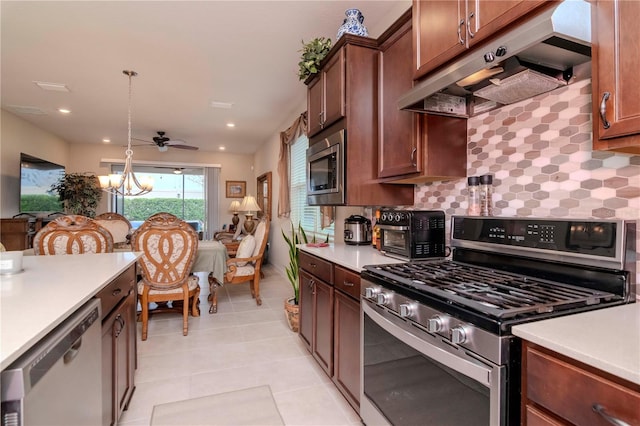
<point x="326" y="93"/>
<point x="346" y="335"/>
<point x="345" y="95"/>
<point x="413" y="148"/>
<point x="330" y="321"/>
<point x="560" y="391"/>
<point x="615" y="80"/>
<point x="316" y="319"/>
<point x="118" y="300"/>
<point x="444" y="29"/>
<point x="18" y="233"/>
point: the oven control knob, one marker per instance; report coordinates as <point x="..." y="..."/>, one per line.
<point x="383" y="298"/>
<point x="370" y="292"/>
<point x="435" y="324"/>
<point x="406" y="310"/>
<point x="459" y="335"/>
<point x="398" y="217"/>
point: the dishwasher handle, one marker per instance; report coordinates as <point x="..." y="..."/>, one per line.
<point x="73" y="351"/>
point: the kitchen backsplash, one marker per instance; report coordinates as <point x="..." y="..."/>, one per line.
<point x="540" y="154"/>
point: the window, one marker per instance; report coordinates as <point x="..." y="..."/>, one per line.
<point x="301" y="212"/>
<point x="178" y="191"/>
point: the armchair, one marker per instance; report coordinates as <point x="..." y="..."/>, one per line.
<point x="118" y="225"/>
<point x="72" y="234"/>
<point x="169" y="249"/>
<point x="245" y="267"/>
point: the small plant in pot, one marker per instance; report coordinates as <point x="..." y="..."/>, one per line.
<point x="79" y="192"/>
<point x="313" y="53"/>
<point x="291" y="305"/>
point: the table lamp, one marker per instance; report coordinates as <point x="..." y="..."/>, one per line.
<point x="248" y="206"/>
<point x="234" y="208"/>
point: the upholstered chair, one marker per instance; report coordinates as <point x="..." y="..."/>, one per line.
<point x="169" y="247"/>
<point x="72" y="234"/>
<point x="119" y="226"/>
<point x="245" y="267"/>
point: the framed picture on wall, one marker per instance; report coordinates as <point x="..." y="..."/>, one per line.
<point x="236" y="188"/>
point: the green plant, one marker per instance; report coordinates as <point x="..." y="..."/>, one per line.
<point x="313" y="53"/>
<point x="296" y="237"/>
<point x="80" y="193"/>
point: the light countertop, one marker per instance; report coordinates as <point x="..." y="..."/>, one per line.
<point x="350" y="256"/>
<point x="607" y="339"/>
<point x="50" y="288"/>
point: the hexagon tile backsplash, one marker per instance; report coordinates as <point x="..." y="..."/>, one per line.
<point x="540" y="153"/>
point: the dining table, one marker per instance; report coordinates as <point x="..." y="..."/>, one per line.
<point x="211" y="257"/>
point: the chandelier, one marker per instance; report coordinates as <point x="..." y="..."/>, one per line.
<point x="126" y="183"/>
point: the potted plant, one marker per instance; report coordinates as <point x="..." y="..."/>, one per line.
<point x="313" y="53"/>
<point x="79" y="192"/>
<point x="291" y="304"/>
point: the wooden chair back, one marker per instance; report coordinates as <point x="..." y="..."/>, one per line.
<point x="72" y="234"/>
<point x="169" y="247"/>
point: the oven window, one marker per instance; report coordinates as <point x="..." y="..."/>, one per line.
<point x="322" y="173"/>
<point x="408" y="388"/>
<point x="395" y="239"/>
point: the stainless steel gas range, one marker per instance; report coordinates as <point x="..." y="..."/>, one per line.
<point x="437" y="347"/>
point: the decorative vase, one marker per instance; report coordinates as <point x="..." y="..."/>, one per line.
<point x="292" y="312"/>
<point x="353" y="24"/>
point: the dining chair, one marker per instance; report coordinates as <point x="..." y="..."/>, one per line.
<point x="72" y="234"/>
<point x="245" y="267"/>
<point x="118" y="225"/>
<point x="169" y="248"/>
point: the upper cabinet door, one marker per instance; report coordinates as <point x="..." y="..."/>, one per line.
<point x="443" y="29"/>
<point x="334" y="88"/>
<point x="615" y="78"/>
<point x="398" y="149"/>
<point x="438" y="34"/>
<point x="315" y="105"/>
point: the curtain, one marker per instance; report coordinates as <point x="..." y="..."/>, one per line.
<point x="298" y="128"/>
<point x="212" y="189"/>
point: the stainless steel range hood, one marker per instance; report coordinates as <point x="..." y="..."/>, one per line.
<point x="537" y="56"/>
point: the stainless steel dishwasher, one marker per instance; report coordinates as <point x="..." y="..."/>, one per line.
<point x="58" y="381"/>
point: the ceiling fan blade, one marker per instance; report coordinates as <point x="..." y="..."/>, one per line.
<point x="193" y="148"/>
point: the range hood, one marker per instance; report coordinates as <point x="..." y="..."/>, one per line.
<point x="539" y="55"/>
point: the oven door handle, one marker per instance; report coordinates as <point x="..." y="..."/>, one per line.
<point x="470" y="368"/>
<point x="394" y="227"/>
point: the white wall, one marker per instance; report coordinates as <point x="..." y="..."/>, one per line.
<point x="16" y="136"/>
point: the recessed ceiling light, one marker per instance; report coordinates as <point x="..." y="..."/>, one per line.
<point x="223" y="105"/>
<point x="231" y="125"/>
<point x="55" y="87"/>
<point x="222" y="148"/>
<point x="64" y="110"/>
<point x="106" y="140"/>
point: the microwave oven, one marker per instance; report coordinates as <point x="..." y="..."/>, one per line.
<point x="325" y="170"/>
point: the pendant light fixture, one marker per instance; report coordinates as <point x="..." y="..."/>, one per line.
<point x="127" y="184"/>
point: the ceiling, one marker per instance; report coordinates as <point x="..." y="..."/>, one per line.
<point x="187" y="55"/>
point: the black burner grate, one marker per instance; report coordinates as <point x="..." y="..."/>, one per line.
<point x="496" y="293"/>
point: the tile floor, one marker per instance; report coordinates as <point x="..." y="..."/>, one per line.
<point x="243" y="345"/>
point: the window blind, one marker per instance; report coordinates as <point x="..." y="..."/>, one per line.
<point x="308" y="216"/>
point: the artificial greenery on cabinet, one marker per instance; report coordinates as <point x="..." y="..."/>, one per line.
<point x="313" y="53"/>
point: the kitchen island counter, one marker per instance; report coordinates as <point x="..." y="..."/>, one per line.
<point x="50" y="288"/>
<point x="350" y="256"/>
<point x="607" y="339"/>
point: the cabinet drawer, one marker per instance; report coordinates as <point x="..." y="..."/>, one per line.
<point x="316" y="266"/>
<point x="571" y="392"/>
<point x="116" y="290"/>
<point x="347" y="281"/>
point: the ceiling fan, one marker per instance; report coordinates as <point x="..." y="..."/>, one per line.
<point x="163" y="143"/>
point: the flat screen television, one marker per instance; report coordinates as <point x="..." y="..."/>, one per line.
<point x="36" y="178"/>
